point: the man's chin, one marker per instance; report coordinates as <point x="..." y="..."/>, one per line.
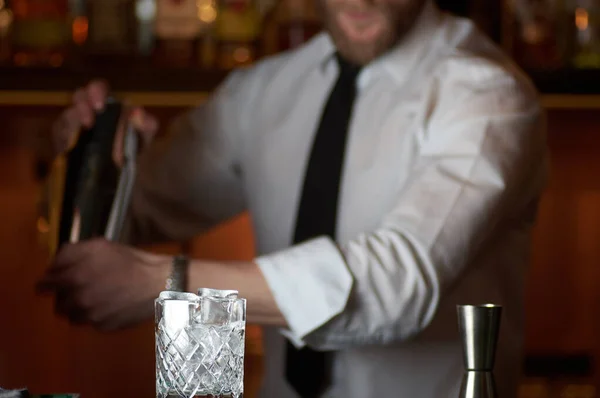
<point x="358" y="54"/>
<point x="361" y="48"/>
<point x="361" y="52"/>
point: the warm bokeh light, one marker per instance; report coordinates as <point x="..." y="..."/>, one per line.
<point x="42" y="224"/>
<point x="579" y="391"/>
<point x="2" y="4"/>
<point x="207" y="11"/>
<point x="80" y="30"/>
<point x="145" y="10"/>
<point x="6" y="18"/>
<point x="241" y="55"/>
<point x="582" y="18"/>
<point x="207" y="14"/>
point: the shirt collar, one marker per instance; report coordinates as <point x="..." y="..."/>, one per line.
<point x="400" y="59"/>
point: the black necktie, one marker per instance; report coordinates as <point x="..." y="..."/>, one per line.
<point x="307" y="371"/>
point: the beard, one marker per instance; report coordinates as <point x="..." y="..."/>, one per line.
<point x="398" y="21"/>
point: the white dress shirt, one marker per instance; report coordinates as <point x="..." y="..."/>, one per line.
<point x="445" y="163"/>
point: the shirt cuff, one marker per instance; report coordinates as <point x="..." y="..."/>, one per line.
<point x="311" y="284"/>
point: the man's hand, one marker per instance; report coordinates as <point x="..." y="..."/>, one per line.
<point x="111" y="286"/>
<point x="105" y="284"/>
<point x="81" y="114"/>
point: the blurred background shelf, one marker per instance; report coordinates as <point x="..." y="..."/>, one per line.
<point x="567" y="81"/>
<point x="122" y="77"/>
<point x="46" y="98"/>
<point x="183" y="99"/>
<point x="191" y="45"/>
<point x="147" y="84"/>
<point x="568" y="101"/>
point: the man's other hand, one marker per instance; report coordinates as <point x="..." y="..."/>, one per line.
<point x="105" y="284"/>
<point x="87" y="101"/>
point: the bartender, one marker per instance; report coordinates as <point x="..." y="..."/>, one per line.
<point x="392" y="167"/>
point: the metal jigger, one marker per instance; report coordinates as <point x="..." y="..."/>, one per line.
<point x="479" y="326"/>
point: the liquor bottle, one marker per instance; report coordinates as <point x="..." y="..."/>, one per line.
<point x="177" y="29"/>
<point x="207" y="43"/>
<point x="89" y="192"/>
<point x="584" y="34"/>
<point x="112" y="28"/>
<point x="290" y="24"/>
<point x="40" y="34"/>
<point x="487" y="15"/>
<point x="538" y="34"/>
<point x="237" y="32"/>
<point x="80" y="24"/>
<point x="145" y="14"/>
<point x="6" y="19"/>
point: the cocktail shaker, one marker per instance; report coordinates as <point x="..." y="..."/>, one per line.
<point x="89" y="190"/>
<point x="479" y="326"/>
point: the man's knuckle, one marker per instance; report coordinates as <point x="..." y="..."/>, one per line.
<point x="69" y="115"/>
<point x="95" y="317"/>
<point x="98" y="245"/>
<point x="78" y="95"/>
<point x="80" y="278"/>
<point x="85" y="301"/>
<point x="97" y="84"/>
<point x="82" y="107"/>
<point x="63" y="253"/>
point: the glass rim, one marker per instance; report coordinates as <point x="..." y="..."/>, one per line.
<point x="484" y="305"/>
<point x="192" y="298"/>
<point x="171" y="295"/>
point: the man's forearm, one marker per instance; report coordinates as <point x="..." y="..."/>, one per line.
<point x="244" y="277"/>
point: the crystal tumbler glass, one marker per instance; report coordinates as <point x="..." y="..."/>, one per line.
<point x="200" y="344"/>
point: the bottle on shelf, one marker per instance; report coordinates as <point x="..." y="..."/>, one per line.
<point x="145" y="15"/>
<point x="237" y="33"/>
<point x="112" y="28"/>
<point x="177" y="31"/>
<point x="80" y="23"/>
<point x="290" y="23"/>
<point x="584" y="33"/>
<point x="207" y="43"/>
<point x="538" y="34"/>
<point x="40" y="34"/>
<point x="487" y="15"/>
<point x="6" y="19"/>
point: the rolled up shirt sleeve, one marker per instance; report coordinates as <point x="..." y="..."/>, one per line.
<point x="321" y="284"/>
<point x="481" y="160"/>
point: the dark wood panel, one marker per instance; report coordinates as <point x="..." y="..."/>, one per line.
<point x="145" y="77"/>
<point x="564" y="282"/>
